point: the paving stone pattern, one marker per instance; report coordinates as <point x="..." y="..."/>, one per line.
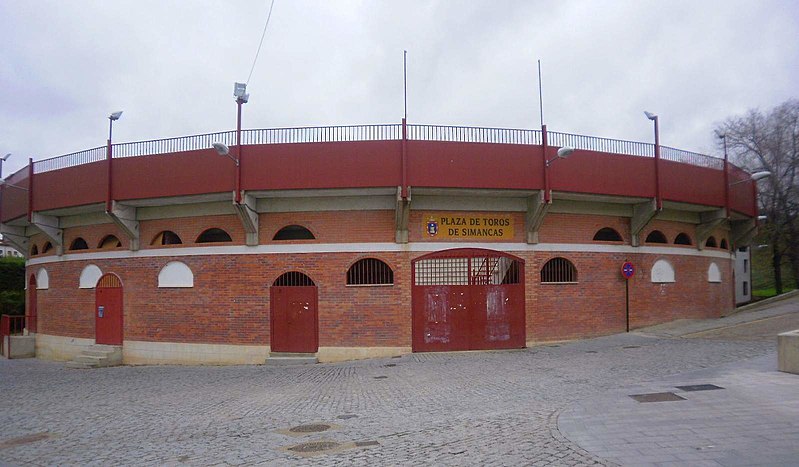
<point x="474" y="408"/>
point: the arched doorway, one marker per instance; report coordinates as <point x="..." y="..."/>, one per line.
<point x="108" y="310"/>
<point x="294" y="319"/>
<point x="30" y="319"/>
<point x="467" y="299"/>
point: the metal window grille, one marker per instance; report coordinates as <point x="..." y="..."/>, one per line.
<point x="656" y="236"/>
<point x="166" y="237"/>
<point x="724" y="244"/>
<point x="370" y="271"/>
<point x="79" y="244"/>
<point x="293" y="279"/>
<point x="711" y="242"/>
<point x="486" y="270"/>
<point x="110" y="241"/>
<point x="293" y="232"/>
<point x="47" y="247"/>
<point x="109" y="281"/>
<point x="682" y="239"/>
<point x="558" y="270"/>
<point x="606" y="234"/>
<point x="34" y="250"/>
<point x="214" y="236"/>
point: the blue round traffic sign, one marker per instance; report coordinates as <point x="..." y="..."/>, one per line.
<point x="627" y="270"/>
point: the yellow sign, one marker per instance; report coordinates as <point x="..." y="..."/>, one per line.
<point x="472" y="227"/>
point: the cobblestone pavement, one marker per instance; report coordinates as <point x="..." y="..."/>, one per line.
<point x="481" y="408"/>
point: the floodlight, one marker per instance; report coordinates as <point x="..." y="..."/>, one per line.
<point x="760" y="175"/>
<point x="221" y="149"/>
<point x="5" y="158"/>
<point x="565" y="152"/>
<point x="762" y="218"/>
<point x="115" y="116"/>
<point x="240" y="90"/>
<point x="650" y="115"/>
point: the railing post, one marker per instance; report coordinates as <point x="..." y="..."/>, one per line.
<point x="109" y="194"/>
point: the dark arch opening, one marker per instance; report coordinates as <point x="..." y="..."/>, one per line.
<point x="711" y="242"/>
<point x="110" y="241"/>
<point x="682" y="239"/>
<point x="370" y="271"/>
<point x="606" y="234"/>
<point x="723" y="244"/>
<point x="656" y="236"/>
<point x="34" y="250"/>
<point x="294" y="232"/>
<point x="166" y="237"/>
<point x="293" y="279"/>
<point x="214" y="235"/>
<point x="558" y="270"/>
<point x="79" y="244"/>
<point x="47" y="247"/>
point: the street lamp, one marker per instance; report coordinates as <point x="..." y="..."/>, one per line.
<point x="562" y="153"/>
<point x="223" y="150"/>
<point x="3" y="159"/>
<point x="658" y="199"/>
<point x="757" y="176"/>
<point x="240" y="93"/>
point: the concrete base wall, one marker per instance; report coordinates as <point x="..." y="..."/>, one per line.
<point x="60" y="348"/>
<point x="175" y="353"/>
<point x="788" y="352"/>
<point x="20" y="346"/>
<point x="341" y="354"/>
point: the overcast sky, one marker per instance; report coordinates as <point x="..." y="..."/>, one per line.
<point x="170" y="65"/>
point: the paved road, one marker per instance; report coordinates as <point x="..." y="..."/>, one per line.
<point x="482" y="408"/>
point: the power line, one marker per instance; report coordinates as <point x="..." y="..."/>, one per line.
<point x="268" y="17"/>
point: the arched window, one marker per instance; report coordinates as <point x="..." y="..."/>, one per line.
<point x="710" y="242"/>
<point x="558" y="271"/>
<point x="89" y="277"/>
<point x="34" y="250"/>
<point x="656" y="236"/>
<point x="682" y="238"/>
<point x="47" y="247"/>
<point x="214" y="235"/>
<point x="370" y="271"/>
<point x="723" y="244"/>
<point x="110" y="241"/>
<point x="166" y="237"/>
<point x="662" y="272"/>
<point x="42" y="279"/>
<point x="606" y="234"/>
<point x="79" y="244"/>
<point x="175" y="274"/>
<point x="293" y="232"/>
<point x="293" y="279"/>
<point x="713" y="273"/>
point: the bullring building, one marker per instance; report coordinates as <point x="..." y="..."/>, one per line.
<point x="376" y="240"/>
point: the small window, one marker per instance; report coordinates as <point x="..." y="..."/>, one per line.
<point x="166" y="237"/>
<point x="558" y="271"/>
<point x="711" y="242"/>
<point x="47" y="247"/>
<point x="746" y="288"/>
<point x="724" y="244"/>
<point x="293" y="279"/>
<point x="34" y="250"/>
<point x="110" y="241"/>
<point x="656" y="236"/>
<point x="742" y="249"/>
<point x="746" y="266"/>
<point x="214" y="236"/>
<point x="370" y="271"/>
<point x="293" y="232"/>
<point x="682" y="239"/>
<point x="606" y="234"/>
<point x="662" y="272"/>
<point x="79" y="244"/>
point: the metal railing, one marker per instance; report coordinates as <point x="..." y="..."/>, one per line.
<point x="10" y="325"/>
<point x="382" y="132"/>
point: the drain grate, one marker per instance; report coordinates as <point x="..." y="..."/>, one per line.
<point x="347" y="416"/>
<point x="381" y="377"/>
<point x="389" y="365"/>
<point x="314" y="446"/>
<point x="657" y="397"/>
<point x="364" y="444"/>
<point x="699" y="387"/>
<point x="312" y="428"/>
<point x="590" y="351"/>
<point x="631" y="347"/>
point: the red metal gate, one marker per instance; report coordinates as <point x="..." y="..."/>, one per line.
<point x="32" y="296"/>
<point x="468" y="299"/>
<point x="108" y="310"/>
<point x="294" y="318"/>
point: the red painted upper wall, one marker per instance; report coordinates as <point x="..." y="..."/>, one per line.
<point x="377" y="164"/>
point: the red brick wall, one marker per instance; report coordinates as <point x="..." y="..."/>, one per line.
<point x="229" y="302"/>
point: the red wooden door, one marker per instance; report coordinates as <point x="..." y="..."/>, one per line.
<point x="467" y="299"/>
<point x="108" y="310"/>
<point x="294" y="317"/>
<point x="32" y="312"/>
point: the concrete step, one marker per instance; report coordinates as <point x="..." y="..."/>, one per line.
<point x="91" y="360"/>
<point x="291" y="358"/>
<point x="78" y="366"/>
<point x="97" y="356"/>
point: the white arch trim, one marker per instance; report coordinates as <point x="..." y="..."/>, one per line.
<point x="42" y="279"/>
<point x="175" y="274"/>
<point x="662" y="272"/>
<point x="89" y="277"/>
<point x="713" y="273"/>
